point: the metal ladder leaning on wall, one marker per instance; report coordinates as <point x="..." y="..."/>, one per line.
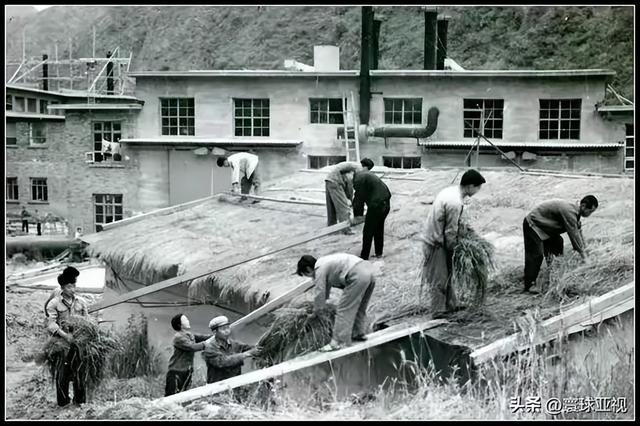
<point x="350" y="120"/>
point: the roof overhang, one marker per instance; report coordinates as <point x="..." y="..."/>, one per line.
<point x="32" y="115"/>
<point x="616" y="110"/>
<point x="539" y="146"/>
<point x="69" y="107"/>
<point x="243" y="73"/>
<point x="191" y="141"/>
<point x="68" y="93"/>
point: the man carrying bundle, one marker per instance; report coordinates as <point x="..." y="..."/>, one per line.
<point x="69" y="275"/>
<point x="440" y="238"/>
<point x="60" y="309"/>
<point x="355" y="277"/>
<point x="339" y="193"/>
<point x="244" y="174"/>
<point x="185" y="344"/>
<point x="542" y="228"/>
<point x="370" y="190"/>
<point x="224" y="357"/>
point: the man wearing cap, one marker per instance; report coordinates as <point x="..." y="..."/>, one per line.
<point x="59" y="309"/>
<point x="185" y="344"/>
<point x="224" y="357"/>
<point x="69" y="275"/>
<point x="355" y="277"/>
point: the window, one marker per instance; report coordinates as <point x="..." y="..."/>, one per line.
<point x="403" y="111"/>
<point x="629" y="148"/>
<point x="32" y="105"/>
<point x="326" y="111"/>
<point x="109" y="131"/>
<point x="39" y="190"/>
<point x="484" y="115"/>
<point x="178" y="116"/>
<point x="37" y="134"/>
<point x="43" y="106"/>
<point x="320" y="161"/>
<point x="9" y="105"/>
<point x="251" y="117"/>
<point x="560" y="118"/>
<point x="402" y="162"/>
<point x="18" y="104"/>
<point x="108" y="208"/>
<point x="12" y="189"/>
<point x="56" y="111"/>
<point x="11" y="134"/>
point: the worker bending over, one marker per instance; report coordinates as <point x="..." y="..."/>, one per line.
<point x="440" y="238"/>
<point x="245" y="172"/>
<point x="339" y="192"/>
<point x="224" y="357"/>
<point x="185" y="344"/>
<point x="542" y="228"/>
<point x="355" y="277"/>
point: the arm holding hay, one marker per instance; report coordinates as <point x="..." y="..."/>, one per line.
<point x="322" y="289"/>
<point x="572" y="225"/>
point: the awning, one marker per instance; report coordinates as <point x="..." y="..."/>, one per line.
<point x="192" y="141"/>
<point x="544" y="146"/>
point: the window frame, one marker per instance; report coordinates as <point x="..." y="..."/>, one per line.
<point x="327" y="112"/>
<point x="558" y="121"/>
<point x="403" y="111"/>
<point x="8" y="106"/>
<point x="97" y="153"/>
<point x="315" y="162"/>
<point x="487" y="118"/>
<point x="107" y="201"/>
<point x="44" y="189"/>
<point x="14" y="137"/>
<point x="44" y="132"/>
<point x="11" y="187"/>
<point x="405" y="161"/>
<point x="251" y="119"/>
<point x="182" y="112"/>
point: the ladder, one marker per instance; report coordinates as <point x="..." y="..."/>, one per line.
<point x="350" y="120"/>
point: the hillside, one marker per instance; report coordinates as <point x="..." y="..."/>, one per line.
<point x="223" y="37"/>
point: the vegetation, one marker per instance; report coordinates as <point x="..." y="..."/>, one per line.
<point x="209" y="37"/>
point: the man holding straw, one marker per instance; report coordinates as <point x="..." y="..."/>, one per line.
<point x="439" y="239"/>
<point x="339" y="193"/>
<point x="356" y="279"/>
<point x="244" y="172"/>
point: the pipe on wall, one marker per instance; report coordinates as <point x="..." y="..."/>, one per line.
<point x="365" y="132"/>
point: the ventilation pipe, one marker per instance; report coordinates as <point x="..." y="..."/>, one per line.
<point x="365" y="132"/>
<point x="366" y="45"/>
<point x="45" y="72"/>
<point x="430" y="37"/>
<point x="109" y="75"/>
<point x="443" y="24"/>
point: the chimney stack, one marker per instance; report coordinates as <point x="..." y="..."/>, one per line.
<point x="326" y="58"/>
<point x="109" y="75"/>
<point x="366" y="47"/>
<point x="443" y="25"/>
<point x="376" y="43"/>
<point x="430" y="37"/>
<point x="45" y="72"/>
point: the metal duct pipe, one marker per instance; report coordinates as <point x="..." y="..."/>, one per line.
<point x="45" y="73"/>
<point x="443" y="25"/>
<point x="365" y="132"/>
<point x="365" y="62"/>
<point x="109" y="75"/>
<point x="430" y="38"/>
<point x="376" y="43"/>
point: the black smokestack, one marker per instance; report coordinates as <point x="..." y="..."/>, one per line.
<point x="45" y="72"/>
<point x="109" y="75"/>
<point x="430" y="37"/>
<point x="376" y="43"/>
<point x="366" y="47"/>
<point x="443" y="25"/>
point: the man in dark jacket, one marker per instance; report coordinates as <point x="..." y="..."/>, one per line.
<point x="224" y="357"/>
<point x="185" y="344"/>
<point x="24" y="214"/>
<point x="370" y="190"/>
<point x="542" y="228"/>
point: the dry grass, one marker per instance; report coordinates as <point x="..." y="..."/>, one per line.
<point x="135" y="356"/>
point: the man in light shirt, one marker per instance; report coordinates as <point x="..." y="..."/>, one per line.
<point x="245" y="173"/>
<point x="339" y="192"/>
<point x="356" y="279"/>
<point x="440" y="238"/>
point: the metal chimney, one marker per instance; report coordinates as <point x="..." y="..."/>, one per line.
<point x="45" y="72"/>
<point x="109" y="75"/>
<point x="366" y="45"/>
<point x="376" y="43"/>
<point x="443" y="25"/>
<point x="430" y="37"/>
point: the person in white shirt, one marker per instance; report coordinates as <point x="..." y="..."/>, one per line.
<point x="439" y="239"/>
<point x="356" y="279"/>
<point x="245" y="173"/>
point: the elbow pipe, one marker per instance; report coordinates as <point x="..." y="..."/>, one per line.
<point x="364" y="131"/>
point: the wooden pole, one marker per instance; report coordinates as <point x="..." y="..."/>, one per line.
<point x="279" y="200"/>
<point x="70" y="67"/>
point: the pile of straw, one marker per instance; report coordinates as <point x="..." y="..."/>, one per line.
<point x="473" y="260"/>
<point x="94" y="349"/>
<point x="295" y="331"/>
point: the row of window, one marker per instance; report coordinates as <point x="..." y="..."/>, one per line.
<point x="320" y="161"/>
<point x="37" y="134"/>
<point x="33" y="105"/>
<point x="39" y="189"/>
<point x="558" y="118"/>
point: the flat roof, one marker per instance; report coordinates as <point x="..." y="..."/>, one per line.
<point x="376" y="73"/>
<point x="94" y="106"/>
<point x="18" y="114"/>
<point x="206" y="141"/>
<point x="68" y="94"/>
<point x="537" y="144"/>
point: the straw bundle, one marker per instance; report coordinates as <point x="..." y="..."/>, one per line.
<point x="472" y="262"/>
<point x="295" y="331"/>
<point x="134" y="356"/>
<point x="94" y="347"/>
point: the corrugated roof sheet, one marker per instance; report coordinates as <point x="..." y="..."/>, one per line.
<point x="545" y="145"/>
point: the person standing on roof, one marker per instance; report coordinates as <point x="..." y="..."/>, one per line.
<point x="356" y="279"/>
<point x="24" y="214"/>
<point x="224" y="357"/>
<point x="440" y="238"/>
<point x="60" y="309"/>
<point x="245" y="172"/>
<point x="339" y="192"/>
<point x="542" y="228"/>
<point x="370" y="190"/>
<point x="185" y="344"/>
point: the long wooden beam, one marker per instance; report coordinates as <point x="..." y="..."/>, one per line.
<point x="304" y="238"/>
<point x="574" y="319"/>
<point x="314" y="358"/>
<point x="280" y="200"/>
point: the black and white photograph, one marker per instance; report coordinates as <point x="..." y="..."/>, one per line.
<point x="297" y="212"/>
